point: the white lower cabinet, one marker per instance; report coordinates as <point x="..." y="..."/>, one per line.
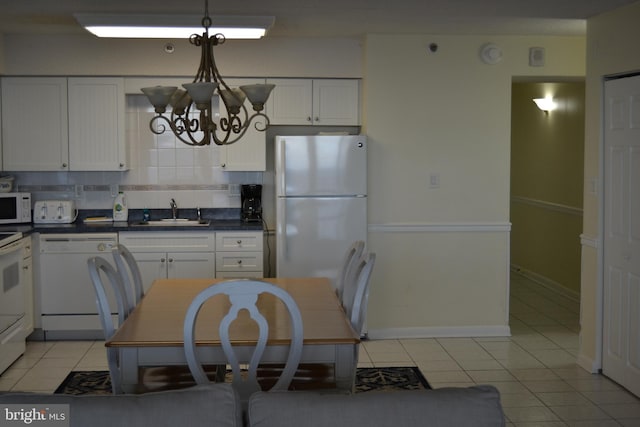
<point x="239" y="254"/>
<point x="161" y="265"/>
<point x="166" y="254"/>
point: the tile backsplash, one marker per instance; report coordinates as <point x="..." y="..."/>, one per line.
<point x="161" y="168"/>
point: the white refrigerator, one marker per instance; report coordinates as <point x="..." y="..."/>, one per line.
<point x="321" y="202"/>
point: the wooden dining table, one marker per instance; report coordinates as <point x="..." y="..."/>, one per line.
<point x="152" y="335"/>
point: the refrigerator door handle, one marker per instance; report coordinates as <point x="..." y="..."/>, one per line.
<point x="282" y="172"/>
<point x="283" y="224"/>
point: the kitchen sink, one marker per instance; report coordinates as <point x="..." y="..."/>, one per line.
<point x="178" y="222"/>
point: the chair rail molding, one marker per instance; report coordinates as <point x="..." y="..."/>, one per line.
<point x="457" y="227"/>
<point x="591" y="241"/>
<point x="543" y="204"/>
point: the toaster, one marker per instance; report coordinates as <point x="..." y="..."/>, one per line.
<point x="54" y="212"/>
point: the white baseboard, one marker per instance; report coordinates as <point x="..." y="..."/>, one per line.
<point x="440" y="332"/>
<point x="546" y="282"/>
<point x="588" y="364"/>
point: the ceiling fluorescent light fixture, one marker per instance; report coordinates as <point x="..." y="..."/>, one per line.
<point x="172" y="26"/>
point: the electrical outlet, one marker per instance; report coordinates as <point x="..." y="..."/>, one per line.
<point x="79" y="191"/>
<point x="434" y="180"/>
<point x="234" y="189"/>
<point x="114" y="189"/>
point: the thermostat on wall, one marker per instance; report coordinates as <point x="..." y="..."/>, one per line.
<point x="536" y="56"/>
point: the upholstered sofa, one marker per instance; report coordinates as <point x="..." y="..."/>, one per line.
<point x="217" y="405"/>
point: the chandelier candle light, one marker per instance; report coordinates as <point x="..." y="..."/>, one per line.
<point x="202" y="130"/>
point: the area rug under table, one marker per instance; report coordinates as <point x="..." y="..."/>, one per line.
<point x="367" y="379"/>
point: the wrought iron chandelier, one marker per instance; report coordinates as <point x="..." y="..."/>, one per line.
<point x="198" y="129"/>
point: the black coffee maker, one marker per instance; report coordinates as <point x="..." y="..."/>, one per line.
<point x="251" y="198"/>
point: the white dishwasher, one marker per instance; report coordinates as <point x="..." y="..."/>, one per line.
<point x="66" y="297"/>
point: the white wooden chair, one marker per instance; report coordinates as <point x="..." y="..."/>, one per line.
<point x="129" y="272"/>
<point x="98" y="267"/>
<point x="345" y="275"/>
<point x="243" y="294"/>
<point x="108" y="287"/>
<point x="357" y="312"/>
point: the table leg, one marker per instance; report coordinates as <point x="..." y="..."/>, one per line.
<point x="345" y="367"/>
<point x="129" y="368"/>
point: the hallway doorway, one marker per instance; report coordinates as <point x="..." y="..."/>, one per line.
<point x="547" y="159"/>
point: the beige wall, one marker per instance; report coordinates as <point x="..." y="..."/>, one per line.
<point x="611" y="49"/>
<point x="271" y="57"/>
<point x="443" y="253"/>
<point x="546" y="184"/>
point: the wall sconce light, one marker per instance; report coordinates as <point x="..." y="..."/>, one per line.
<point x="546" y="104"/>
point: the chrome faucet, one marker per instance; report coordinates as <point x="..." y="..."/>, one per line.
<point x="174" y="209"/>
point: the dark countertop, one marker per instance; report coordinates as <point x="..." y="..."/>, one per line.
<point x="227" y="219"/>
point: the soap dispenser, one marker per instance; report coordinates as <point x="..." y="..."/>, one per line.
<point x="120" y="209"/>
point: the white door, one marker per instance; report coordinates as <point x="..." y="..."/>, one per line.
<point x="621" y="322"/>
<point x="152" y="266"/>
<point x="191" y="264"/>
<point x="96" y="124"/>
<point x="313" y="234"/>
<point x="327" y="165"/>
<point x="249" y="153"/>
<point x="336" y="102"/>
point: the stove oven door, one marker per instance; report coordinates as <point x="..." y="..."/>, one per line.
<point x="12" y="303"/>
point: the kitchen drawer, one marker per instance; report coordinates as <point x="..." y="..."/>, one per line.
<point x="239" y="241"/>
<point x="239" y="275"/>
<point x="238" y="261"/>
<point x="168" y="241"/>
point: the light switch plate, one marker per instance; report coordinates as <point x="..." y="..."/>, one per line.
<point x="434" y="180"/>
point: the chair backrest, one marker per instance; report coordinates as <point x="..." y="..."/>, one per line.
<point x="243" y="294"/>
<point x="100" y="269"/>
<point x="345" y="275"/>
<point x="358" y="310"/>
<point x="130" y="275"/>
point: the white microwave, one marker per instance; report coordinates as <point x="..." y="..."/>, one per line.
<point x="15" y="208"/>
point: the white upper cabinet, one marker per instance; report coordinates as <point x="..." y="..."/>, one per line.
<point x="34" y="124"/>
<point x="60" y="124"/>
<point x="96" y="124"/>
<point x="249" y="153"/>
<point x="323" y="102"/>
<point x="291" y="102"/>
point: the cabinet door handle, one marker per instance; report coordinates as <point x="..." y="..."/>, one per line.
<point x="239" y="242"/>
<point x="239" y="261"/>
<point x="64" y="166"/>
<point x="317" y="119"/>
<point x="308" y="118"/>
<point x="162" y="260"/>
<point x="170" y="259"/>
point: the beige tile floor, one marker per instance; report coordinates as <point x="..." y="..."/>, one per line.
<point x="534" y="369"/>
